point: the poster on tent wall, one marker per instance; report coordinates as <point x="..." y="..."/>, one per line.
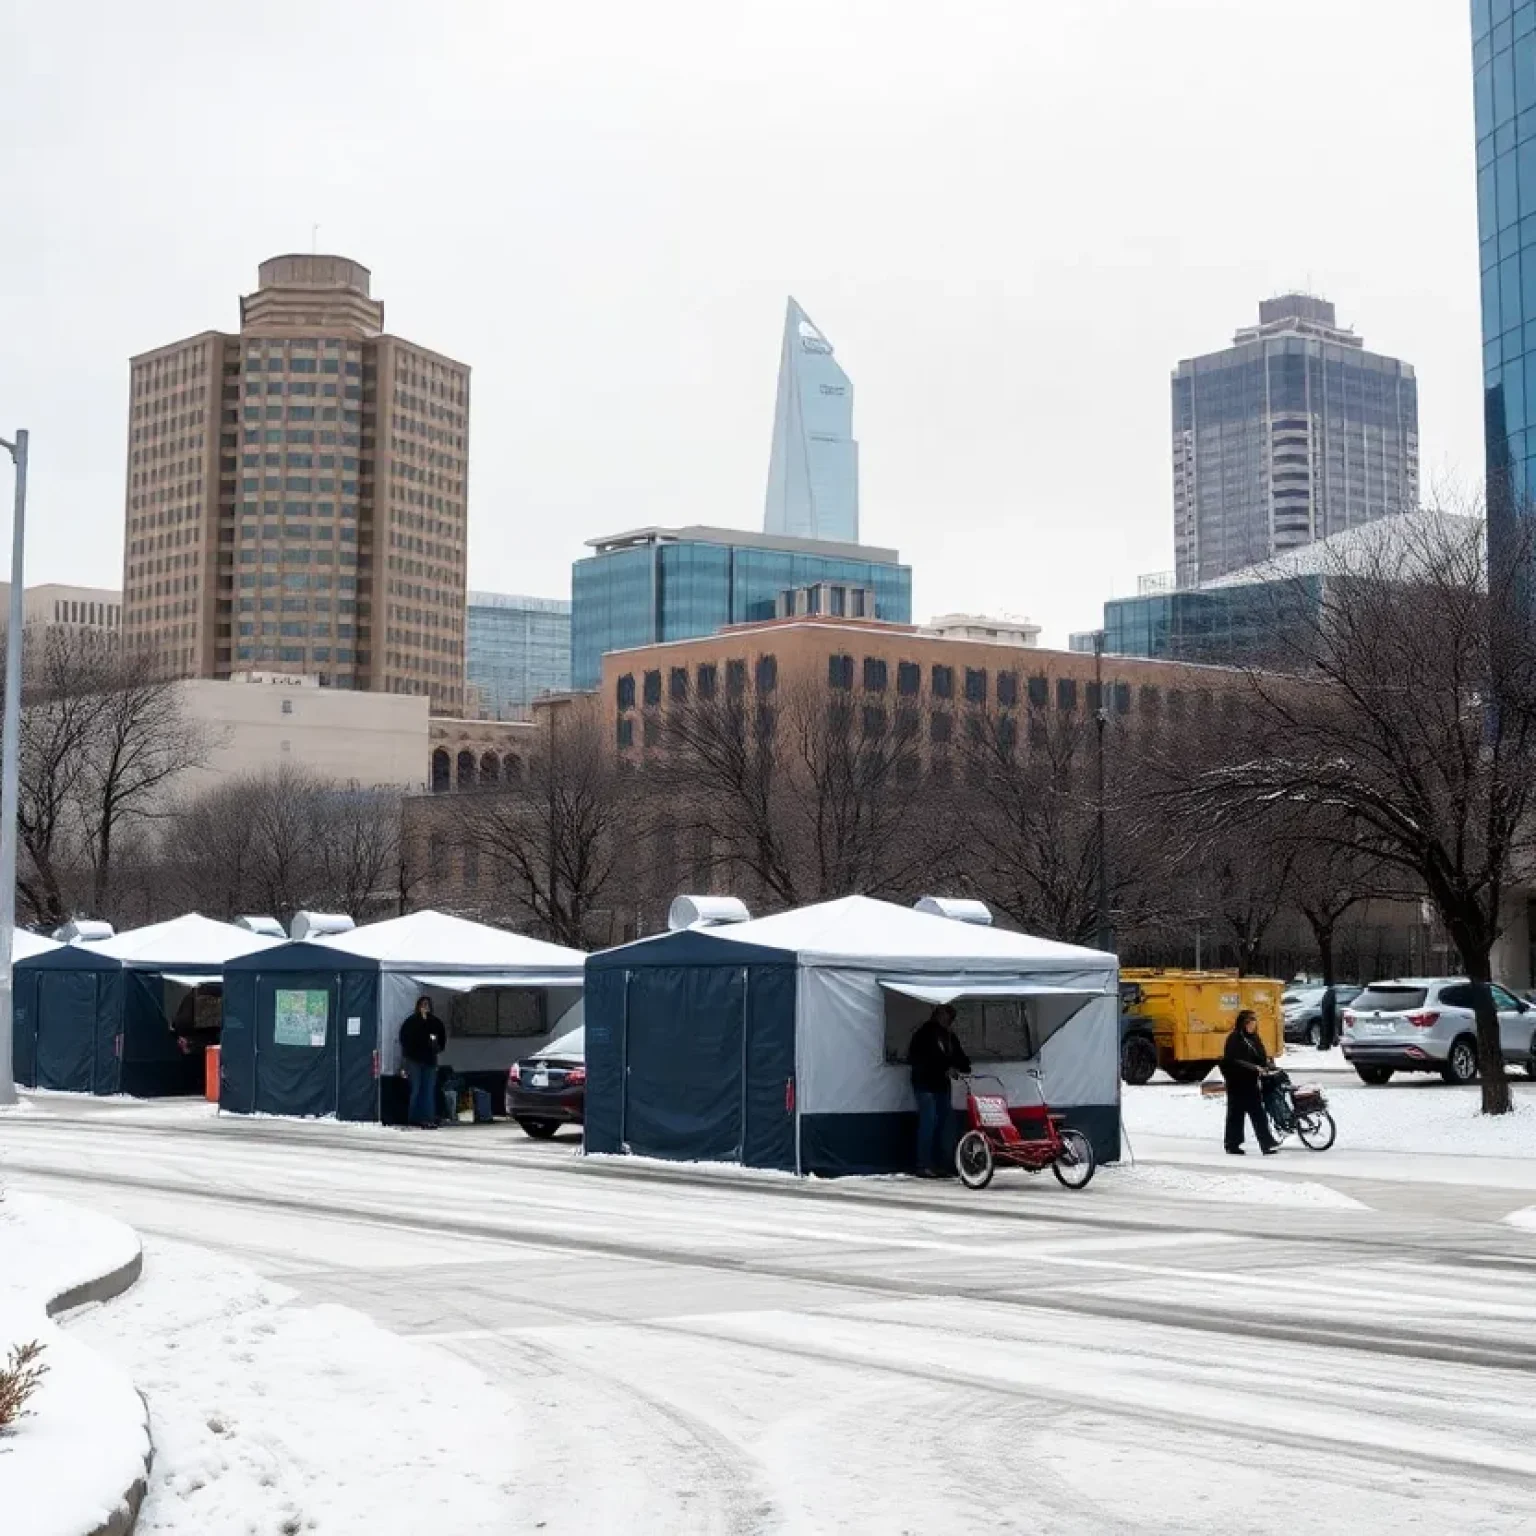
<point x="300" y="1018"/>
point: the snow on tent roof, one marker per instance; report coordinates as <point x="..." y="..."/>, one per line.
<point x="434" y="941"/>
<point x="183" y="943"/>
<point x="858" y="929"/>
<point x="25" y="945"/>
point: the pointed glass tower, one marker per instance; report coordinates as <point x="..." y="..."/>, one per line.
<point x="813" y="473"/>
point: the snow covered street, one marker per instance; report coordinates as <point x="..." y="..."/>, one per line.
<point x="599" y="1347"/>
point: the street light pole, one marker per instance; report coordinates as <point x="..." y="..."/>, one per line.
<point x="1101" y="720"/>
<point x="9" y="760"/>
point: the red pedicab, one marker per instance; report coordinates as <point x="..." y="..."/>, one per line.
<point x="995" y="1137"/>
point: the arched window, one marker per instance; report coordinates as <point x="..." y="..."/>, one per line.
<point x="490" y="768"/>
<point x="466" y="770"/>
<point x="514" y="768"/>
<point x="442" y="771"/>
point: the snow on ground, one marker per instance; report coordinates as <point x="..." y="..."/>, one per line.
<point x="1525" y="1218"/>
<point x="1237" y="1189"/>
<point x="1413" y="1115"/>
<point x="274" y="1417"/>
<point x="65" y="1467"/>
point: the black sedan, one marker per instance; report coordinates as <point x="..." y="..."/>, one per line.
<point x="549" y="1088"/>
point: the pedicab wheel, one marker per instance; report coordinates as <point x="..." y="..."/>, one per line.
<point x="1076" y="1164"/>
<point x="1317" y="1131"/>
<point x="973" y="1160"/>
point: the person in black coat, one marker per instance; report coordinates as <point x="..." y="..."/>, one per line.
<point x="423" y="1038"/>
<point x="1244" y="1061"/>
<point x="1328" y="1020"/>
<point x="934" y="1052"/>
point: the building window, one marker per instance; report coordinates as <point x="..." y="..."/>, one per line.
<point x="1176" y="703"/>
<point x="767" y="674"/>
<point x="1066" y="693"/>
<point x="1039" y="692"/>
<point x="627" y="691"/>
<point x="874" y="720"/>
<point x="442" y="771"/>
<point x="1150" y="699"/>
<point x="909" y="679"/>
<point x="1007" y="735"/>
<point x="512" y="768"/>
<point x="626" y="733"/>
<point x="975" y="685"/>
<point x="943" y="682"/>
<point x="1122" y="698"/>
<point x="708" y="680"/>
<point x="471" y="867"/>
<point x="1007" y="689"/>
<point x="1095" y="694"/>
<point x="939" y="726"/>
<point x="874" y="675"/>
<point x="651" y="732"/>
<point x="840" y="671"/>
<point x="466" y="770"/>
<point x="652" y="689"/>
<point x="735" y="679"/>
<point x="490" y="768"/>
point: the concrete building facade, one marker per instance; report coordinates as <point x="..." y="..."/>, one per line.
<point x="55" y="609"/>
<point x="1292" y="434"/>
<point x="297" y="494"/>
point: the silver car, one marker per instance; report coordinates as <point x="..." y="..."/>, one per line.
<point x="1426" y="1024"/>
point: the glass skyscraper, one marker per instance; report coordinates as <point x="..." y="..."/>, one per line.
<point x="519" y="648"/>
<point x="660" y="584"/>
<point x="1504" y="76"/>
<point x="813" y="471"/>
<point x="1292" y="434"/>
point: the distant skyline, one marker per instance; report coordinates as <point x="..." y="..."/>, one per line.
<point x="1010" y="223"/>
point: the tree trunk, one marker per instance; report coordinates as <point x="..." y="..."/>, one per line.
<point x="1490" y="1053"/>
<point x="1322" y="932"/>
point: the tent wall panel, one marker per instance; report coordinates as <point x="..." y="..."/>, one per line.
<point x="66" y="1056"/>
<point x="605" y="997"/>
<point x="296" y="1078"/>
<point x="684" y="1032"/>
<point x="111" y="1004"/>
<point x="357" y="1093"/>
<point x="839" y="1145"/>
<point x="24" y="1026"/>
<point x="237" y="1043"/>
<point x="768" y="1136"/>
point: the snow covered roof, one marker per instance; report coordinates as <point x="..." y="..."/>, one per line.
<point x="437" y="942"/>
<point x="183" y="942"/>
<point x="24" y="945"/>
<point x="860" y="929"/>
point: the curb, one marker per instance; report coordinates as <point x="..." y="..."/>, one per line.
<point x="107" y="1287"/>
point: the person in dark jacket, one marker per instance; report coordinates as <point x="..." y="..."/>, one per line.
<point x="1328" y="1020"/>
<point x="422" y="1040"/>
<point x="1244" y="1062"/>
<point x="935" y="1052"/>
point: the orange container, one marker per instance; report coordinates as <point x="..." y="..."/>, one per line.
<point x="211" y="1074"/>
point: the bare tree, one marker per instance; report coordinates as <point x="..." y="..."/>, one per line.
<point x="1403" y="726"/>
<point x="554" y="838"/>
<point x="812" y="793"/>
<point x="102" y="740"/>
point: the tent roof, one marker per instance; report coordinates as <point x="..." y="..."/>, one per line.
<point x="24" y="945"/>
<point x="435" y="942"/>
<point x="857" y="929"/>
<point x="184" y="943"/>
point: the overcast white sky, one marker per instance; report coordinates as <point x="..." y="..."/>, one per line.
<point x="1011" y="218"/>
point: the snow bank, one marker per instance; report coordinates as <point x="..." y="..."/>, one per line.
<point x="1405" y="1116"/>
<point x="65" y="1468"/>
<point x="269" y="1416"/>
<point x="1525" y="1218"/>
<point x="1232" y="1189"/>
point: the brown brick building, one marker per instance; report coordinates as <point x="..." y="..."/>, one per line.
<point x="297" y="494"/>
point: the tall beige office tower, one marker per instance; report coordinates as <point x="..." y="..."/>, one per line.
<point x="297" y="494"/>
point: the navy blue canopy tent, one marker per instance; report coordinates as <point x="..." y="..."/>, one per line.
<point x="25" y="946"/>
<point x="312" y="1027"/>
<point x="779" y="1042"/>
<point x="123" y="1015"/>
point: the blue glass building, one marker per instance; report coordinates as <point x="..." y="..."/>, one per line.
<point x="660" y="584"/>
<point x="1219" y="626"/>
<point x="813" y="470"/>
<point x="517" y="649"/>
<point x="1504" y="75"/>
